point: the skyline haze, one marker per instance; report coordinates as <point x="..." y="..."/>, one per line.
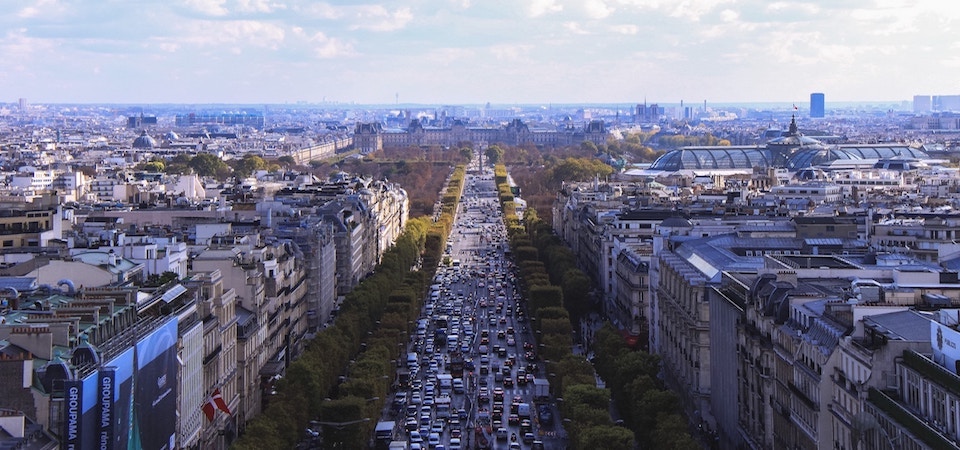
<point x="463" y="51"/>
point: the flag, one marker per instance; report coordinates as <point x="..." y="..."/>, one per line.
<point x="214" y="402"/>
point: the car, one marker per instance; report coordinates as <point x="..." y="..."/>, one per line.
<point x="416" y="438"/>
<point x="502" y="434"/>
<point x="497" y="394"/>
<point x="525" y="426"/>
<point x="455" y="444"/>
<point x="411" y="424"/>
<point x="537" y="445"/>
<point x="513" y="419"/>
<point x="455" y="433"/>
<point x="462" y="414"/>
<point x="437" y="427"/>
<point x="515" y="446"/>
<point x="528" y="438"/>
<point x="415" y="399"/>
<point x="508" y="382"/>
<point x="511" y="342"/>
<point x="433" y="440"/>
<point x="545" y="415"/>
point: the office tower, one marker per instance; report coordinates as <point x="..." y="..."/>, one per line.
<point x="816" y="104"/>
<point x="922" y="103"/>
<point x="946" y="103"/>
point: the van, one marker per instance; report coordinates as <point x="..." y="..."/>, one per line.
<point x="452" y="342"/>
<point x="523" y="410"/>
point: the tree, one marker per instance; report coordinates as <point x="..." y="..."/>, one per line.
<point x="671" y="433"/>
<point x="589" y="147"/>
<point x="154" y="166"/>
<point x="208" y="165"/>
<point x="286" y="161"/>
<point x="494" y="154"/>
<point x="606" y="437"/>
<point x="245" y="167"/>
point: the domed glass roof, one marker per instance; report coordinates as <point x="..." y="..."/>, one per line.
<point x="813" y="156"/>
<point x="712" y="158"/>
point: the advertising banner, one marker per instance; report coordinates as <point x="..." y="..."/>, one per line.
<point x="73" y="413"/>
<point x="122" y="367"/>
<point x="107" y="401"/>
<point x="155" y="392"/>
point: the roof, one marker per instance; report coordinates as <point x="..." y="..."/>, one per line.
<point x="902" y="325"/>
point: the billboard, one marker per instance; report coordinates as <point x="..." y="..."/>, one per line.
<point x="70" y="437"/>
<point x="945" y="342"/>
<point x="117" y="434"/>
<point x="106" y="400"/>
<point x="155" y="390"/>
<point x="80" y="413"/>
<point x="130" y="401"/>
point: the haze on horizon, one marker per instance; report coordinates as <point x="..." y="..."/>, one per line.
<point x="475" y="51"/>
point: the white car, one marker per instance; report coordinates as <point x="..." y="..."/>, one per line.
<point x="454" y="444"/>
<point x="433" y="440"/>
<point x="415" y="438"/>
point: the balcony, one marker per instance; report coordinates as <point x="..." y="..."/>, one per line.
<point x="212" y="355"/>
<point x="933" y="371"/>
<point x="905" y="418"/>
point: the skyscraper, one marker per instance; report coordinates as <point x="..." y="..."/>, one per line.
<point x="816" y="104"/>
<point x="922" y="104"/>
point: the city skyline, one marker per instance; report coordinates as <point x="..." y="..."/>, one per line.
<point x="470" y="52"/>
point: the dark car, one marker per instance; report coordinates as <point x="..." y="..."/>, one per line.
<point x="545" y="415"/>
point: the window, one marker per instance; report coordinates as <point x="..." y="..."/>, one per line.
<point x="8" y="243"/>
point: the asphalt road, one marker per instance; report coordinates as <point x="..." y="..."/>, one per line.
<point x="477" y="294"/>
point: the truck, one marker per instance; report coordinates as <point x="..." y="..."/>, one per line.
<point x="398" y="445"/>
<point x="541" y="388"/>
<point x="445" y="380"/>
<point x="384" y="433"/>
<point x="442" y="406"/>
<point x="456" y="365"/>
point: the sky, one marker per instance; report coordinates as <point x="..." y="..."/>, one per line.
<point x="476" y="51"/>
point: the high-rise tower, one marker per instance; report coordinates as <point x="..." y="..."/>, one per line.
<point x="816" y="104"/>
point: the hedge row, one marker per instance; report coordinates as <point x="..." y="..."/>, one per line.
<point x="553" y="290"/>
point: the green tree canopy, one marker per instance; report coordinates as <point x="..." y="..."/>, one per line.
<point x="208" y="165"/>
<point x="494" y="154"/>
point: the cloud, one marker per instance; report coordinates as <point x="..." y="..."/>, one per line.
<point x="511" y="52"/>
<point x="597" y="9"/>
<point x="259" y="6"/>
<point x="628" y="29"/>
<point x="41" y="8"/>
<point x="378" y="18"/>
<point x="538" y="8"/>
<point x="320" y="11"/>
<point x="207" y="7"/>
<point x="246" y="32"/>
<point x="575" y="28"/>
<point x="323" y="46"/>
